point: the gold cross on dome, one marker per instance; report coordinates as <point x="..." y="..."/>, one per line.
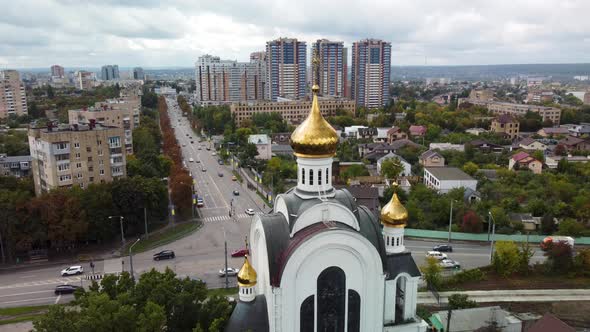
<point x="315" y="65"/>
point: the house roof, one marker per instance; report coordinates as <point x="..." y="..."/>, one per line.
<point x="249" y="316"/>
<point x="555" y="131"/>
<point x="15" y="159"/>
<point x="550" y="323"/>
<point x="570" y="141"/>
<point x="448" y="173"/>
<point x="258" y="139"/>
<point x="528" y="141"/>
<point x="505" y="118"/>
<point x="520" y="156"/>
<point x="417" y="130"/>
<point x="430" y="154"/>
<point x="400" y="143"/>
<point x="393" y="130"/>
<point x="364" y="192"/>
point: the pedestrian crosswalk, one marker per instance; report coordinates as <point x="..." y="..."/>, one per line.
<point x="225" y="217"/>
<point x="68" y="280"/>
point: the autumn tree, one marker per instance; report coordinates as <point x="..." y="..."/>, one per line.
<point x="559" y="257"/>
<point x="471" y="222"/>
<point x="506" y="258"/>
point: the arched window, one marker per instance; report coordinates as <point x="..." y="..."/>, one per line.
<point x="306" y="315"/>
<point x="354" y="311"/>
<point x="311" y="177"/>
<point x="327" y="175"/>
<point x="302" y="175"/>
<point x="331" y="290"/>
<point x="320" y="177"/>
<point x="397" y="241"/>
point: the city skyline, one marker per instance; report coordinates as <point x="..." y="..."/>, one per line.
<point x="430" y="33"/>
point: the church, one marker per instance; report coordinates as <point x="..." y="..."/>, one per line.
<point x="321" y="262"/>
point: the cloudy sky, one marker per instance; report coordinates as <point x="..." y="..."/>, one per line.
<point x="151" y="33"/>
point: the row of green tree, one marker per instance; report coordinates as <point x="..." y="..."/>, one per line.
<point x="159" y="301"/>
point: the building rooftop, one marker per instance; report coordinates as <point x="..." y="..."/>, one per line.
<point x="429" y="154"/>
<point x="13" y="159"/>
<point x="505" y="118"/>
<point x="258" y="139"/>
<point x="448" y="173"/>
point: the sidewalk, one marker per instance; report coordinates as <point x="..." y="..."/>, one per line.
<point x="527" y="295"/>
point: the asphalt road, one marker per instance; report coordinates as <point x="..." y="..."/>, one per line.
<point x="200" y="255"/>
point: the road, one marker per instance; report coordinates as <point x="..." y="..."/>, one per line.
<point x="201" y="254"/>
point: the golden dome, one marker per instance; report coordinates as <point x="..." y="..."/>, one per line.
<point x="394" y="214"/>
<point x="314" y="137"/>
<point x="247" y="275"/>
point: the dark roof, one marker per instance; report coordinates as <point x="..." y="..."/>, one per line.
<point x="570" y="141"/>
<point x="505" y="118"/>
<point x="363" y="192"/>
<point x="375" y="155"/>
<point x="402" y="262"/>
<point x="249" y="316"/>
<point x="400" y="143"/>
<point x="448" y="173"/>
<point x="550" y="323"/>
<point x="430" y="153"/>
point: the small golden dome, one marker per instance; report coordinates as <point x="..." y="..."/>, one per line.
<point x="314" y="137"/>
<point x="394" y="214"/>
<point x="247" y="275"/>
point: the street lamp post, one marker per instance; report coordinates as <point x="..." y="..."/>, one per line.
<point x="131" y="259"/>
<point x="493" y="233"/>
<point x="225" y="246"/>
<point x="450" y="220"/>
<point x="121" y="223"/>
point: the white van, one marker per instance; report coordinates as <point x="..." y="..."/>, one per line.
<point x="436" y="254"/>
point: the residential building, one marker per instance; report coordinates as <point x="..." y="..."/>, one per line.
<point x="447" y="147"/>
<point x="553" y="161"/>
<point x="475" y="131"/>
<point x="286" y="69"/>
<point x="367" y="148"/>
<point x="587" y="98"/>
<point x="534" y="81"/>
<point x="524" y="160"/>
<point x="57" y="71"/>
<point x="552" y="114"/>
<point x="84" y="80"/>
<point x="17" y="166"/>
<point x="486" y="147"/>
<point x="293" y="112"/>
<point x="417" y="131"/>
<point x="531" y="144"/>
<point x="539" y="96"/>
<point x="165" y="90"/>
<point x="332" y="70"/>
<point x="477" y="319"/>
<point x="553" y="132"/>
<point x="577" y="130"/>
<point x="122" y="113"/>
<point x="481" y="94"/>
<point x="444" y="179"/>
<point x="407" y="167"/>
<point x="370" y="73"/>
<point x="395" y="133"/>
<point x="109" y="72"/>
<point x="431" y="158"/>
<point x="550" y="323"/>
<point x="76" y="155"/>
<point x="572" y="143"/>
<point x="13" y="98"/>
<point x="224" y="81"/>
<point x="138" y="73"/>
<point x="263" y="146"/>
<point x="506" y="125"/>
<point x="366" y="196"/>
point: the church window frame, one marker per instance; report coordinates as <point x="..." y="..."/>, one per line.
<point x="302" y="175"/>
<point x="331" y="302"/>
<point x="311" y="177"/>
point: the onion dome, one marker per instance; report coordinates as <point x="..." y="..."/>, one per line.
<point x="394" y="214"/>
<point x="314" y="137"/>
<point x="247" y="275"/>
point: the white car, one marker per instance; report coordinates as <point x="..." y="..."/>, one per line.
<point x="250" y="212"/>
<point x="230" y="272"/>
<point x="436" y="254"/>
<point x="72" y="270"/>
<point x="183" y="145"/>
<point x="214" y="154"/>
<point x="449" y="264"/>
<point x="191" y="160"/>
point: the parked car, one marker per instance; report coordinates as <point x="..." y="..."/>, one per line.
<point x="443" y="248"/>
<point x="230" y="272"/>
<point x="164" y="254"/>
<point x="220" y="174"/>
<point x="65" y="289"/>
<point x="436" y="254"/>
<point x="214" y="154"/>
<point x="200" y="202"/>
<point x="191" y="160"/>
<point x="198" y="161"/>
<point x="234" y="178"/>
<point x="183" y="145"/>
<point x="220" y="162"/>
<point x="240" y="252"/>
<point x="192" y="142"/>
<point x="72" y="270"/>
<point x="236" y="193"/>
<point x="250" y="212"/>
<point x="199" y="148"/>
<point x="203" y="169"/>
<point x="449" y="264"/>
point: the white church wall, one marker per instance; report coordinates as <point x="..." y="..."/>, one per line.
<point x="259" y="260"/>
<point x="326" y="211"/>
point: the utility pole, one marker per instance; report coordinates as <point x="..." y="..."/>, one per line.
<point x="145" y="222"/>
<point x="131" y="259"/>
<point x="121" y="223"/>
<point x="451" y="220"/>
<point x="225" y="245"/>
<point x="449" y="313"/>
<point x="492" y="239"/>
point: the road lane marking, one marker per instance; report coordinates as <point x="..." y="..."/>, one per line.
<point x="29" y="276"/>
<point x="27" y="293"/>
<point x="58" y="298"/>
<point x="29" y="300"/>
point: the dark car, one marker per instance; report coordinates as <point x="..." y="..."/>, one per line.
<point x="65" y="289"/>
<point x="164" y="254"/>
<point x="220" y="174"/>
<point x="443" y="248"/>
<point x="236" y="193"/>
<point x="240" y="252"/>
<point x="220" y="162"/>
<point x="192" y="142"/>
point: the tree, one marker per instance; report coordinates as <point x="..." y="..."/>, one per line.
<point x="571" y="227"/>
<point x="506" y="258"/>
<point x="354" y="171"/>
<point x="391" y="168"/>
<point x="559" y="257"/>
<point x="461" y="301"/>
<point x="470" y="168"/>
<point x="471" y="222"/>
<point x="560" y="150"/>
<point x="152" y="319"/>
<point x="431" y="272"/>
<point x="547" y="224"/>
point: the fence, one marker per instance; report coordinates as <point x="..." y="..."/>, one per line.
<point x="423" y="233"/>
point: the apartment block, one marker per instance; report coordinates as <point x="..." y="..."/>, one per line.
<point x="293" y="112"/>
<point x="84" y="80"/>
<point x="552" y="114"/>
<point x="332" y="70"/>
<point x="122" y="113"/>
<point x="76" y="155"/>
<point x="370" y="75"/>
<point x="13" y="99"/>
<point x="286" y="69"/>
<point x="224" y="81"/>
<point x="17" y="166"/>
<point x="109" y="72"/>
<point x="506" y="125"/>
<point x="138" y="73"/>
<point x="57" y="71"/>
